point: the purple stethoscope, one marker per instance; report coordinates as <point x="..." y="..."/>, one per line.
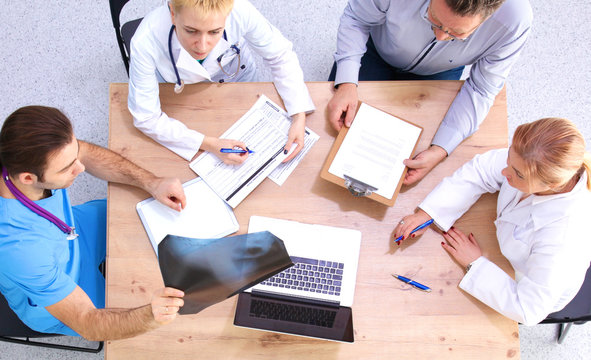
<point x="38" y="209"/>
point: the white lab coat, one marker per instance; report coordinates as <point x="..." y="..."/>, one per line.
<point x="545" y="238"/>
<point x="151" y="64"/>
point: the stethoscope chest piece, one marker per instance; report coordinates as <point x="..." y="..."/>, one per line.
<point x="178" y="88"/>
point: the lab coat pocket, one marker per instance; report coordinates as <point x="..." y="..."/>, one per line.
<point x="514" y="241"/>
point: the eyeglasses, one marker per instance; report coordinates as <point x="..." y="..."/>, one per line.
<point x="440" y="27"/>
<point x="234" y="49"/>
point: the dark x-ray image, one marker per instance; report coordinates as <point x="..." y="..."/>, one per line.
<point x="212" y="270"/>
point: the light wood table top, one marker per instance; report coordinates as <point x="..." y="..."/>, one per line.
<point x="391" y="320"/>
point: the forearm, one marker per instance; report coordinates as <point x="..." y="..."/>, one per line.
<point x="108" y="165"/>
<point x="114" y="324"/>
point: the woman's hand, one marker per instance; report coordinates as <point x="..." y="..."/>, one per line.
<point x="297" y="131"/>
<point x="463" y="248"/>
<point x="214" y="145"/>
<point x="409" y="223"/>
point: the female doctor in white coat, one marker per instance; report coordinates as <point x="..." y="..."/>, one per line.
<point x="543" y="210"/>
<point x="191" y="41"/>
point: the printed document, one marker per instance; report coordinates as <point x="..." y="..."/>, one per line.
<point x="374" y="148"/>
<point x="264" y="129"/>
<point x="204" y="216"/>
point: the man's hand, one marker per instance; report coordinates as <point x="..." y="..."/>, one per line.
<point x="422" y="163"/>
<point x="214" y="145"/>
<point x="166" y="303"/>
<point x="168" y="191"/>
<point x="297" y="131"/>
<point x="341" y="108"/>
<point x="463" y="248"/>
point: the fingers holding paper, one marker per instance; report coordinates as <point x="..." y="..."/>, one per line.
<point x="341" y="108"/>
<point x="409" y="223"/>
<point x="166" y="303"/>
<point x="423" y="163"/>
<point x="462" y="247"/>
<point x="296" y="135"/>
<point x="169" y="191"/>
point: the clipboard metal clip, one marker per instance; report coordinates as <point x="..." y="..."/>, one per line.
<point x="358" y="188"/>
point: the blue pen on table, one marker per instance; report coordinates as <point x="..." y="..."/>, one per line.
<point x="235" y="151"/>
<point x="423" y="225"/>
<point x="412" y="282"/>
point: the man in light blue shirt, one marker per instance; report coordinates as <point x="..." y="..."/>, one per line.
<point x="429" y="40"/>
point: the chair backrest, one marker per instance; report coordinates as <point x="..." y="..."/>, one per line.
<point x="11" y="325"/>
<point x="123" y="33"/>
<point x="579" y="309"/>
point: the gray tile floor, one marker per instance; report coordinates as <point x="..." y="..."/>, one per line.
<point x="64" y="54"/>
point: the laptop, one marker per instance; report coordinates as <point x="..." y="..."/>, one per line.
<point x="312" y="298"/>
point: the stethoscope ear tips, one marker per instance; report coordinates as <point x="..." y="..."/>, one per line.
<point x="179" y="88"/>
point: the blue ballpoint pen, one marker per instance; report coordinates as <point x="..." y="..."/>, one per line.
<point x="235" y="151"/>
<point x="423" y="225"/>
<point x="412" y="282"/>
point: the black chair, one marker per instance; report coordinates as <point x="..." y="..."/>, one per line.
<point x="124" y="33"/>
<point x="12" y="328"/>
<point x="578" y="311"/>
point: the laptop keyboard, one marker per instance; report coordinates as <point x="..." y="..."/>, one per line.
<point x="315" y="276"/>
<point x="292" y="313"/>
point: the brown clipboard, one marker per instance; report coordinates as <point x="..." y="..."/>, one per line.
<point x="339" y="181"/>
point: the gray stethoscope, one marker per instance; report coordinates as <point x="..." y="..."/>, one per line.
<point x="180" y="84"/>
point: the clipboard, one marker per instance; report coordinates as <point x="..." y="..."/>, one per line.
<point x="359" y="187"/>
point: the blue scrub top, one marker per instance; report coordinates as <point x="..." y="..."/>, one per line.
<point x="39" y="266"/>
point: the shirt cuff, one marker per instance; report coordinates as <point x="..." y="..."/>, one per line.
<point x="189" y="152"/>
<point x="467" y="282"/>
<point x="347" y="72"/>
<point x="447" y="137"/>
<point x="433" y="214"/>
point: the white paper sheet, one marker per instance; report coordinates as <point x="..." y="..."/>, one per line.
<point x="374" y="148"/>
<point x="205" y="215"/>
<point x="264" y="130"/>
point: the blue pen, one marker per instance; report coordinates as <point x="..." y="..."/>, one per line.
<point x="412" y="282"/>
<point x="235" y="151"/>
<point x="423" y="225"/>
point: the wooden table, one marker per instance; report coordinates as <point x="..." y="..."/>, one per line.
<point x="391" y="320"/>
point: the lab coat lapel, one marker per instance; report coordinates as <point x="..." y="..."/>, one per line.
<point x="211" y="63"/>
<point x="189" y="69"/>
<point x="510" y="209"/>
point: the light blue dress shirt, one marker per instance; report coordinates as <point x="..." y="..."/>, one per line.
<point x="402" y="36"/>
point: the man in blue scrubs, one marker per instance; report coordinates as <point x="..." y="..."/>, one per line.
<point x="49" y="277"/>
<point x="429" y="40"/>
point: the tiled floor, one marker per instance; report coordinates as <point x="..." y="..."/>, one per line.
<point x="64" y="54"/>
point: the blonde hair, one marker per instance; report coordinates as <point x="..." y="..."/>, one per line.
<point x="553" y="150"/>
<point x="205" y="7"/>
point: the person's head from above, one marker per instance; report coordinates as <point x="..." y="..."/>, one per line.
<point x="458" y="19"/>
<point x="199" y="24"/>
<point x="547" y="157"/>
<point x="38" y="148"/>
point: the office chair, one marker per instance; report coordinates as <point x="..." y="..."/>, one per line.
<point x="124" y="33"/>
<point x="12" y="328"/>
<point x="578" y="311"/>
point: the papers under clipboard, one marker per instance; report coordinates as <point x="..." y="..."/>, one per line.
<point x="367" y="157"/>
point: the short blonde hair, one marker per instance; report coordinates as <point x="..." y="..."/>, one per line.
<point x="553" y="150"/>
<point x="205" y="7"/>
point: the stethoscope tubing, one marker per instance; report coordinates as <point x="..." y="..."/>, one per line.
<point x="33" y="206"/>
